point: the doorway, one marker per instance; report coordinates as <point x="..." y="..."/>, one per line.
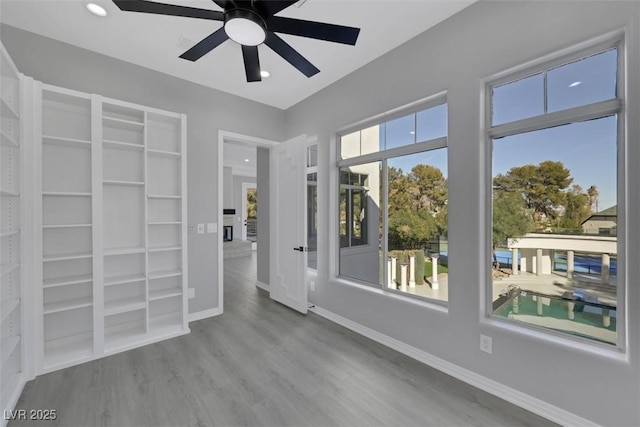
<point x="238" y="163"/>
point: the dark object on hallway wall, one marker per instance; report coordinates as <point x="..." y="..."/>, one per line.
<point x="250" y="24"/>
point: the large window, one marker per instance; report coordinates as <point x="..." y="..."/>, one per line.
<point x="555" y="135"/>
<point x="392" y="207"/>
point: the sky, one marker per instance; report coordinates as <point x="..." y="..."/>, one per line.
<point x="588" y="149"/>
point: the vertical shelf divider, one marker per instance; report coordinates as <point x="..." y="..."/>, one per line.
<point x="97" y="220"/>
<point x="145" y="224"/>
<point x="183" y="215"/>
<point x="38" y="327"/>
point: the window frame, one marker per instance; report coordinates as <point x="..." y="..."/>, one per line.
<point x="382" y="156"/>
<point x="599" y="109"/>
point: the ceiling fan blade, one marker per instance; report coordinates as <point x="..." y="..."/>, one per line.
<point x="251" y="63"/>
<point x="314" y="30"/>
<point x="168" y="9"/>
<point x="206" y="45"/>
<point x="283" y="49"/>
<point x="221" y="3"/>
<point x="271" y="7"/>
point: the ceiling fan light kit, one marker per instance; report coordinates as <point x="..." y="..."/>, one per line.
<point x="251" y="23"/>
<point x="245" y="27"/>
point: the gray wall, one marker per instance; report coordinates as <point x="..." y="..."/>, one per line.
<point x="238" y="180"/>
<point x="486" y="38"/>
<point x="227" y="189"/>
<point x="208" y="111"/>
<point x="262" y="162"/>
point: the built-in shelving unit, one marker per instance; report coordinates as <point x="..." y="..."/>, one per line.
<point x="113" y="237"/>
<point x="66" y="186"/>
<point x="12" y="375"/>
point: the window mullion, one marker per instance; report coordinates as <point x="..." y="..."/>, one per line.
<point x="384" y="211"/>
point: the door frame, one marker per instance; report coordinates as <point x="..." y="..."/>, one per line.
<point x="228" y="137"/>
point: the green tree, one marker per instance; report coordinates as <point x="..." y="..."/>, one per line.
<point x="541" y="187"/>
<point x="411" y="229"/>
<point x="431" y="184"/>
<point x="577" y="207"/>
<point x="510" y="218"/>
<point x="252" y="203"/>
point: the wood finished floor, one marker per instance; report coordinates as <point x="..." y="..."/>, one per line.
<point x="261" y="364"/>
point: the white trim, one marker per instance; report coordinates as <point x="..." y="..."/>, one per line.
<point x="262" y="285"/>
<point x="523" y="400"/>
<point x="204" y="314"/>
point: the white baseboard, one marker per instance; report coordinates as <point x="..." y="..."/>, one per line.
<point x="262" y="285"/>
<point x="502" y="391"/>
<point x="199" y="315"/>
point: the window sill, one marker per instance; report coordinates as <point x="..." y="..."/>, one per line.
<point x="596" y="348"/>
<point x="435" y="305"/>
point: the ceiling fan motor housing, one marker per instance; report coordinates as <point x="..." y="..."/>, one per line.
<point x="245" y="26"/>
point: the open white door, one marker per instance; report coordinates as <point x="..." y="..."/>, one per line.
<point x="288" y="265"/>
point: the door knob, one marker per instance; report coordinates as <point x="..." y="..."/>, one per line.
<point x="299" y="248"/>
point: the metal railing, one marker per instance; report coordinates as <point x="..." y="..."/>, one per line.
<point x="252" y="228"/>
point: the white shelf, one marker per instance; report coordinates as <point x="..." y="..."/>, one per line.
<point x="71" y="304"/>
<point x="123" y="183"/>
<point x="66" y="142"/>
<point x="8" y="268"/>
<point x="57" y="226"/>
<point x="165" y="248"/>
<point x="166" y="154"/>
<point x="165" y="223"/>
<point x="166" y="323"/>
<point x="163" y="196"/>
<point x="6" y="193"/>
<point x="9" y="233"/>
<point x="165" y="293"/>
<point x="7" y="110"/>
<point x="8" y="141"/>
<point x="7" y="307"/>
<point x="123" y="145"/>
<point x="65" y="194"/>
<point x="122" y="123"/>
<point x="125" y="278"/>
<point x="161" y="274"/>
<point x="8" y="346"/>
<point x="124" y="305"/>
<point x="120" y="337"/>
<point x="67" y="257"/>
<point x="66" y="351"/>
<point x="123" y="251"/>
<point x="69" y="280"/>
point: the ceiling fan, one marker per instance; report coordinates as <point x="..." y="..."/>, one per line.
<point x="251" y="23"/>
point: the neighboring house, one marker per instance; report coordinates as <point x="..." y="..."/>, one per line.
<point x="603" y="223"/>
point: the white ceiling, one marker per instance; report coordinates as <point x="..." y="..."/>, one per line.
<point x="156" y="41"/>
<point x="236" y="155"/>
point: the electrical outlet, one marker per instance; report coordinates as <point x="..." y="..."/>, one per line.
<point x="200" y="228"/>
<point x="486" y="344"/>
<point x="191" y="229"/>
<point x="191" y="293"/>
<point x="312" y="285"/>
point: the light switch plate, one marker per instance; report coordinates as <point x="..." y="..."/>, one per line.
<point x="212" y="227"/>
<point x="192" y="293"/>
<point x="200" y="228"/>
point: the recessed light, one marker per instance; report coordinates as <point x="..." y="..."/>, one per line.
<point x="246" y="160"/>
<point x="265" y="74"/>
<point x="412" y="132"/>
<point x="574" y="84"/>
<point x="96" y="9"/>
